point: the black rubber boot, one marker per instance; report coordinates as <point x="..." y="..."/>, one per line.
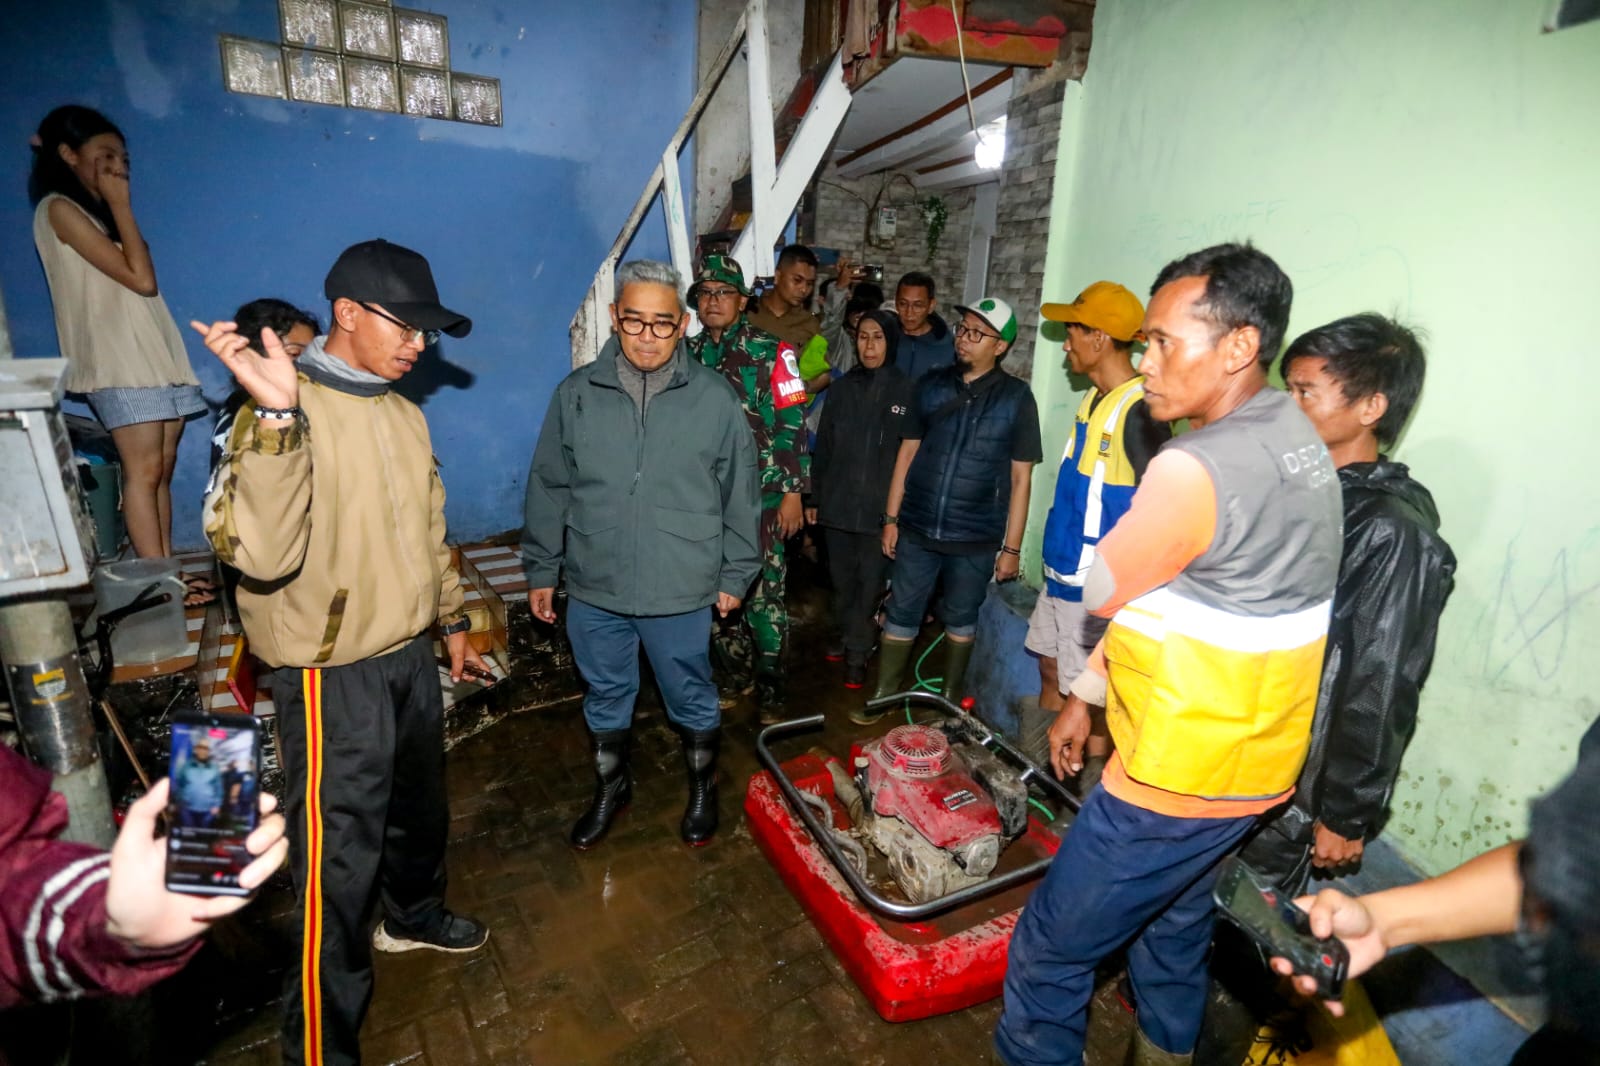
<point x="700" y="759"/>
<point x="956" y="656"/>
<point x="855" y="670"/>
<point x="892" y="658"/>
<point x="772" y="698"/>
<point x="613" y="790"/>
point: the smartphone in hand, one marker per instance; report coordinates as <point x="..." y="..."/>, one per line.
<point x="214" y="801"/>
<point x="1279" y="927"/>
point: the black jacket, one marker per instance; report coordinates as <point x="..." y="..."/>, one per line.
<point x="929" y="351"/>
<point x="857" y="442"/>
<point x="1394" y="579"/>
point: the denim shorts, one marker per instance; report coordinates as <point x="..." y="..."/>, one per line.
<point x="917" y="568"/>
<point x="116" y="408"/>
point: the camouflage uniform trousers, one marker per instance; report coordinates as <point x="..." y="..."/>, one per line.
<point x="751" y="641"/>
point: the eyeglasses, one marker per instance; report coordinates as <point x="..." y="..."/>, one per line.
<point x="661" y="330"/>
<point x="717" y="294"/>
<point x="429" y="337"/>
<point x="974" y="333"/>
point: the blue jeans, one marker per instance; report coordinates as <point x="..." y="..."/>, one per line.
<point x="1123" y="873"/>
<point x="606" y="649"/>
<point x="916" y="569"/>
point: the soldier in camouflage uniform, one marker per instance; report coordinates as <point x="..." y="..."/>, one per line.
<point x="762" y="371"/>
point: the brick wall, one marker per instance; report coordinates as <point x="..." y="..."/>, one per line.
<point x="1022" y="229"/>
<point x="840" y="222"/>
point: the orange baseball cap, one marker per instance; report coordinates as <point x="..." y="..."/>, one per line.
<point x="1105" y="305"/>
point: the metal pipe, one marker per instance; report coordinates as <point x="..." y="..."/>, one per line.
<point x="51" y="701"/>
<point x="905" y="912"/>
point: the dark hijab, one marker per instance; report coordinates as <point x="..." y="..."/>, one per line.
<point x="891" y="335"/>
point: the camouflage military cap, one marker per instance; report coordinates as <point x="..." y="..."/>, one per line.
<point x="723" y="268"/>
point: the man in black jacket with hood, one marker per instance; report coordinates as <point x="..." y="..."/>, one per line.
<point x="1358" y="379"/>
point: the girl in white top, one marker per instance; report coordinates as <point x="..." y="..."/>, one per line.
<point x="125" y="353"/>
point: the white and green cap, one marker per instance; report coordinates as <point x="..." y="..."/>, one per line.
<point x="997" y="313"/>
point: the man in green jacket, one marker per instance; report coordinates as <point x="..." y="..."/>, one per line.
<point x="774" y="398"/>
<point x="643" y="490"/>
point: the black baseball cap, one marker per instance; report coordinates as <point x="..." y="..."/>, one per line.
<point x="398" y="278"/>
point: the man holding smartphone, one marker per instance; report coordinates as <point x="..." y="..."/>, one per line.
<point x="330" y="504"/>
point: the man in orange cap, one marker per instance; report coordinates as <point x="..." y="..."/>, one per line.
<point x="1113" y="439"/>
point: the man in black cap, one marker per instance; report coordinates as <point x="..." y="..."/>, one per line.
<point x="328" y="500"/>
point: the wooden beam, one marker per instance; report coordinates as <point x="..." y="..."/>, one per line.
<point x="927" y="28"/>
<point x="928" y="119"/>
<point x="964" y="172"/>
<point x="799" y="165"/>
<point x="763" y="152"/>
<point x="935" y="136"/>
<point x="956" y="162"/>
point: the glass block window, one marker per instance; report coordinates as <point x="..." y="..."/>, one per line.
<point x="423" y="40"/>
<point x="425" y="93"/>
<point x="310" y="23"/>
<point x="366" y="29"/>
<point x="365" y="54"/>
<point x="371" y="84"/>
<point x="254" y="68"/>
<point x="476" y="99"/>
<point x="314" y="77"/>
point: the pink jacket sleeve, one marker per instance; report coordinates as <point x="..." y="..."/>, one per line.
<point x="53" y="904"/>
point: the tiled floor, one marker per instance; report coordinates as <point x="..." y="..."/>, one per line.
<point x="640" y="951"/>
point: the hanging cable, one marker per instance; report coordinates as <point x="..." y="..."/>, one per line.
<point x="961" y="55"/>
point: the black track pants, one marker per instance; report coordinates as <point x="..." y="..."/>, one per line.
<point x="363" y="758"/>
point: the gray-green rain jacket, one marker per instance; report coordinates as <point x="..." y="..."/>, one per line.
<point x="648" y="515"/>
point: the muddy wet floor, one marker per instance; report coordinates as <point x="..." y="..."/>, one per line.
<point x="640" y="951"/>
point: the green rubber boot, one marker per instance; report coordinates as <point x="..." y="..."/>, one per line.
<point x="956" y="656"/>
<point x="1144" y="1052"/>
<point x="892" y="659"/>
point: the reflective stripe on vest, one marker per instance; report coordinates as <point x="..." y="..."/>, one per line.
<point x="1205" y="702"/>
<point x="1131" y="390"/>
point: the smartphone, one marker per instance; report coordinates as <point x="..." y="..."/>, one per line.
<point x="214" y="801"/>
<point x="1278" y="927"/>
<point x="872" y="272"/>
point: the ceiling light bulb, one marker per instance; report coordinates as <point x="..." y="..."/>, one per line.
<point x="991" y="150"/>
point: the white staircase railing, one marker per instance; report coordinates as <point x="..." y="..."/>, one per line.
<point x="775" y="187"/>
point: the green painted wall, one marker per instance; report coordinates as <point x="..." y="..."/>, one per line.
<point x="1436" y="159"/>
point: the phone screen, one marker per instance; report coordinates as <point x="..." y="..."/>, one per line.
<point x="215" y="771"/>
<point x="1278" y="925"/>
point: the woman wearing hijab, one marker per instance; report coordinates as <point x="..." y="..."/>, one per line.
<point x="852" y="464"/>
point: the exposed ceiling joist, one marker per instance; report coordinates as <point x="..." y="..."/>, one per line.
<point x="931" y="132"/>
<point x="955" y="174"/>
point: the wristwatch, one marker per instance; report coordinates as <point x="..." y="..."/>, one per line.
<point x="460" y="625"/>
<point x="888" y="520"/>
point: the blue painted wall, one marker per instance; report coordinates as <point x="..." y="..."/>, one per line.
<point x="243" y="197"/>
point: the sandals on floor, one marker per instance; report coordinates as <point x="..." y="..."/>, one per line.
<point x="201" y="590"/>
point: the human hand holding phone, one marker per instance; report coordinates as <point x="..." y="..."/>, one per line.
<point x="141" y="910"/>
<point x="465" y="660"/>
<point x="1285" y="932"/>
<point x="1331" y="913"/>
